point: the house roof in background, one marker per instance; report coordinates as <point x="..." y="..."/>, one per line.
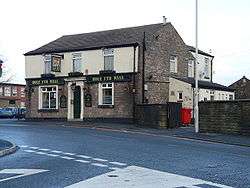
<point x="192" y="49"/>
<point x="204" y="84"/>
<point x="239" y="81"/>
<point x="94" y="40"/>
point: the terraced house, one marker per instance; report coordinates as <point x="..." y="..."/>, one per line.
<point x="103" y="75"/>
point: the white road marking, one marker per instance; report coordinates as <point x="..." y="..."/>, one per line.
<point x="82" y="161"/>
<point x="41" y="153"/>
<point x="117" y="163"/>
<point x="29" y="151"/>
<point x="23" y="146"/>
<point x="68" y="158"/>
<point x="55" y="151"/>
<point x="52" y="155"/>
<point x="84" y="156"/>
<point x="34" y="147"/>
<point x="138" y="177"/>
<point x="100" y="160"/>
<point x="99" y="165"/>
<point x="23" y="172"/>
<point x="69" y="154"/>
<point x="43" y="149"/>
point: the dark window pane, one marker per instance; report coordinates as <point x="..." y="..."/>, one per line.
<point x="45" y="100"/>
<point x="107" y="96"/>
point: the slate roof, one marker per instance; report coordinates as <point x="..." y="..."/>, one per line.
<point x="95" y="40"/>
<point x="204" y="84"/>
<point x="192" y="49"/>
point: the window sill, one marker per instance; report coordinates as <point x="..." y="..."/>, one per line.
<point x="48" y="110"/>
<point x="75" y="74"/>
<point x="50" y="75"/>
<point x="105" y="106"/>
<point x="106" y="72"/>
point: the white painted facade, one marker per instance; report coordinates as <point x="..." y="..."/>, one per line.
<point x="92" y="61"/>
<point x="208" y="94"/>
<point x="204" y="67"/>
<point x="176" y="86"/>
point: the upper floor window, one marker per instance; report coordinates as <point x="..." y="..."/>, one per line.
<point x="77" y="60"/>
<point x="14" y="91"/>
<point x="231" y="97"/>
<point x="106" y="94"/>
<point x="206" y="68"/>
<point x="22" y="92"/>
<point x="190" y="68"/>
<point x="173" y="64"/>
<point x="47" y="64"/>
<point x="108" y="59"/>
<point x="1" y="91"/>
<point x="7" y="91"/>
<point x="180" y="96"/>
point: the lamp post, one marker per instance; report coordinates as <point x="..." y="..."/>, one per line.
<point x="196" y="101"/>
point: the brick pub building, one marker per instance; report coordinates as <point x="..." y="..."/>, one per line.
<point x="104" y="75"/>
<point x="12" y="95"/>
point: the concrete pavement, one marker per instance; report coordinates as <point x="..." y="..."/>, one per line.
<point x="60" y="156"/>
<point x="7" y="147"/>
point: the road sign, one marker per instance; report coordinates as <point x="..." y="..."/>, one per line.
<point x="21" y="172"/>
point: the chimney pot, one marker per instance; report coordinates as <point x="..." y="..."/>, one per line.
<point x="164" y="20"/>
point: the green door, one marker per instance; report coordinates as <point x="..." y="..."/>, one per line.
<point x="77" y="102"/>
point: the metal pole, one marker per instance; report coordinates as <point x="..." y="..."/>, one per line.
<point x="196" y="107"/>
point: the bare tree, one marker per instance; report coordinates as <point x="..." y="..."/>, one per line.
<point x="7" y="74"/>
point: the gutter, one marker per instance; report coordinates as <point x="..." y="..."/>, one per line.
<point x="79" y="49"/>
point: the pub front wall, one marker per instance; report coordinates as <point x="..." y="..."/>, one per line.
<point x="122" y="108"/>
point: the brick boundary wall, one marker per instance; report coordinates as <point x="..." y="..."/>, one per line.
<point x="158" y="115"/>
<point x="230" y="117"/>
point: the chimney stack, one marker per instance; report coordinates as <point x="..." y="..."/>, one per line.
<point x="164" y="20"/>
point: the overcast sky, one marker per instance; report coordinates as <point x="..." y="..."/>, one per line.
<point x="223" y="27"/>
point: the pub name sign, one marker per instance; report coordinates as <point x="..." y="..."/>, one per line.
<point x="109" y="78"/>
<point x="47" y="82"/>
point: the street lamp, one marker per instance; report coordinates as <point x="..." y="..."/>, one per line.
<point x="196" y="101"/>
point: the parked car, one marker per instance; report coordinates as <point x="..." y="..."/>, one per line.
<point x="12" y="112"/>
<point x="6" y="113"/>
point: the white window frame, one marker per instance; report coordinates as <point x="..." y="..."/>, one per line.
<point x="173" y="64"/>
<point x="100" y="92"/>
<point x="75" y="57"/>
<point x="47" y="64"/>
<point x="1" y="91"/>
<point x="108" y="52"/>
<point x="40" y="97"/>
<point x="9" y="91"/>
<point x="22" y="92"/>
<point x="14" y="91"/>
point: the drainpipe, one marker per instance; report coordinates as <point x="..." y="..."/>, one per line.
<point x="212" y="69"/>
<point x="134" y="84"/>
<point x="143" y="67"/>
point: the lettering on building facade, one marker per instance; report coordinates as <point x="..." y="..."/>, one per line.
<point x="109" y="78"/>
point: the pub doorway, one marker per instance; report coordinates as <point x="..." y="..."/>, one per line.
<point x="77" y="102"/>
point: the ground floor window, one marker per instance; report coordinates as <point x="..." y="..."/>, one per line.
<point x="106" y="94"/>
<point x="48" y="97"/>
